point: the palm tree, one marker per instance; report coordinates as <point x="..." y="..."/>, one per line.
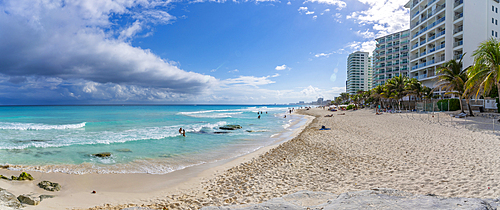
<point x="427" y="93"/>
<point x="414" y="88"/>
<point x="396" y="88"/>
<point x="485" y="73"/>
<point x="452" y="78"/>
<point x="377" y="94"/>
<point x="344" y="97"/>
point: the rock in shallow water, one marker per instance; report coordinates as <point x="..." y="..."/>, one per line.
<point x="102" y="155"/>
<point x="230" y="127"/>
<point x="378" y="198"/>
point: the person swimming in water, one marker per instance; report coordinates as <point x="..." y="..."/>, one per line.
<point x="258" y="117"/>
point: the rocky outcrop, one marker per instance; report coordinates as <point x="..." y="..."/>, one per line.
<point x="50" y="186"/>
<point x="8" y="200"/>
<point x="378" y="198"/>
<point x="23" y="176"/>
<point x="102" y="155"/>
<point x="30" y="199"/>
<point x="230" y="127"/>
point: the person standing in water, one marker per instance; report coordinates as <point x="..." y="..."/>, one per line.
<point x="180" y="130"/>
<point x="183" y="132"/>
<point x="258" y="117"/>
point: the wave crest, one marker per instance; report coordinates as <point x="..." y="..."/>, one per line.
<point x="38" y="126"/>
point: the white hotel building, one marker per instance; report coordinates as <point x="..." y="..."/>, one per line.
<point x="359" y="72"/>
<point x="442" y="30"/>
<point x="391" y="57"/>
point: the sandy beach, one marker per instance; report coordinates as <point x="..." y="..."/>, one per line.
<point x="360" y="152"/>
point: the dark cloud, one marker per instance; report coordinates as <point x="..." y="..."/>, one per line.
<point x="73" y="40"/>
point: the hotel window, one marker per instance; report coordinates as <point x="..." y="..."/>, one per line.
<point x="493" y="8"/>
<point x="492" y="20"/>
<point x="492" y="33"/>
<point x="496" y="34"/>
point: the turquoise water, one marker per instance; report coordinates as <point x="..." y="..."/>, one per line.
<point x="141" y="139"/>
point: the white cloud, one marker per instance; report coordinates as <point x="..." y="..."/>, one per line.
<point x="311" y="91"/>
<point x="289" y="3"/>
<point x="338" y="17"/>
<point x="323" y="55"/>
<point x="233" y="71"/>
<point x="366" y="34"/>
<point x="327" y="10"/>
<point x="340" y="4"/>
<point x="314" y="17"/>
<point x="248" y="81"/>
<point x="309" y="12"/>
<point x="280" y="68"/>
<point x="302" y="9"/>
<point x="385" y="16"/>
<point x="130" y="31"/>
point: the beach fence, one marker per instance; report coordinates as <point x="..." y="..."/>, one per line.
<point x="487" y="122"/>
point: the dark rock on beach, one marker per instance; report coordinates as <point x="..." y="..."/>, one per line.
<point x="8" y="200"/>
<point x="23" y="176"/>
<point x="102" y="155"/>
<point x="230" y="127"/>
<point x="50" y="186"/>
<point x="378" y="198"/>
<point x="29" y="199"/>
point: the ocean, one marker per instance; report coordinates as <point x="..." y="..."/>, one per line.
<point x="141" y="139"/>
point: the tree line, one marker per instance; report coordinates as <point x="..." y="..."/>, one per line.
<point x="478" y="80"/>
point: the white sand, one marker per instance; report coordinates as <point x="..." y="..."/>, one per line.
<point x="362" y="151"/>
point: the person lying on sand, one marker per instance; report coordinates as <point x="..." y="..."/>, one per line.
<point x="329" y="115"/>
<point x="324" y="128"/>
<point x="341" y="114"/>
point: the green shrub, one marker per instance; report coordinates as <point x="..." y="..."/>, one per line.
<point x="454" y="104"/>
<point x="350" y="107"/>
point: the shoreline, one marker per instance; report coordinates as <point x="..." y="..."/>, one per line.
<point x="116" y="189"/>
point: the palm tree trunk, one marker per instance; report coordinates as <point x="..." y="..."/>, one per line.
<point x="470" y="109"/>
<point x="461" y="107"/>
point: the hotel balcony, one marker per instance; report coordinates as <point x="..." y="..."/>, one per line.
<point x="457" y="44"/>
<point x="458" y="16"/>
<point x="458" y="3"/>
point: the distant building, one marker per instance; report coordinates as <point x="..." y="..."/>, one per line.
<point x="319" y="101"/>
<point x="391" y="57"/>
<point x="358" y="72"/>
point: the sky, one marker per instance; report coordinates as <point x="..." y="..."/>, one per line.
<point x="185" y="51"/>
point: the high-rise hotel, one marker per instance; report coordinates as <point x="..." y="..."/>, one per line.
<point x="391" y="57"/>
<point x="359" y="76"/>
<point x="442" y="30"/>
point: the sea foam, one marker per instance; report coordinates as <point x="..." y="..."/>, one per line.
<point x="38" y="126"/>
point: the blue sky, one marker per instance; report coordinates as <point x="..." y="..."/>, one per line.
<point x="216" y="52"/>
